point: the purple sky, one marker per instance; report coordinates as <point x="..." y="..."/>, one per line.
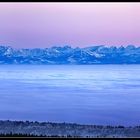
<point x="28" y="25"/>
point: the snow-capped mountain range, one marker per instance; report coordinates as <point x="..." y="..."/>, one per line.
<point x="68" y="55"/>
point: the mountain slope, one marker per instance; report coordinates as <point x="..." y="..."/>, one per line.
<point x="68" y="55"/>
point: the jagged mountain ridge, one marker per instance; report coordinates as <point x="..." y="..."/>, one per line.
<point x="68" y="55"/>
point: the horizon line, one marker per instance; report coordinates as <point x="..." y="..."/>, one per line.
<point x="71" y="46"/>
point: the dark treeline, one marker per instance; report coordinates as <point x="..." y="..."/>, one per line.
<point x="32" y="135"/>
<point x="49" y="129"/>
<point x="53" y="124"/>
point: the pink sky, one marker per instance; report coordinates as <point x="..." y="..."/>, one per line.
<point x="28" y="25"/>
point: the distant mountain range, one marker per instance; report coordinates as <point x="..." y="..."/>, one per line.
<point x="68" y="55"/>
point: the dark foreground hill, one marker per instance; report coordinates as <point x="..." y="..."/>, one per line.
<point x="48" y="129"/>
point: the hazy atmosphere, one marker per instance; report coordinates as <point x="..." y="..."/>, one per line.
<point x="32" y="25"/>
<point x="70" y="69"/>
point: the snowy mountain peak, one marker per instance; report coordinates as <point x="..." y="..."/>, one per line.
<point x="67" y="55"/>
